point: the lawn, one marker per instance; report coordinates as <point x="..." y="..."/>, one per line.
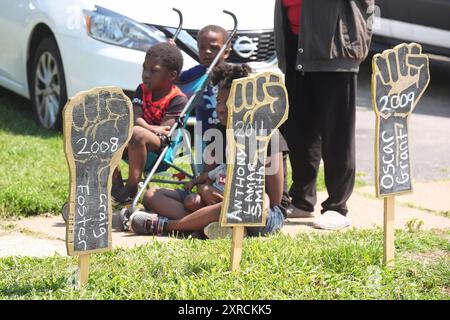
<point x="33" y="171"/>
<point x="33" y="168"/>
<point x="339" y="265"/>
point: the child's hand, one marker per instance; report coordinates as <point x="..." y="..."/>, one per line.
<point x="212" y="197"/>
<point x="209" y="194"/>
<point x="171" y="42"/>
<point x="189" y="185"/>
<point x="163" y="130"/>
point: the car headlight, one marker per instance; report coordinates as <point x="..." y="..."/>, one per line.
<point x="110" y="27"/>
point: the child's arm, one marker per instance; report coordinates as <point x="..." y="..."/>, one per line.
<point x="172" y="113"/>
<point x="138" y="114"/>
<point x="162" y="129"/>
<point x="209" y="194"/>
<point x="201" y="179"/>
<point x="205" y="177"/>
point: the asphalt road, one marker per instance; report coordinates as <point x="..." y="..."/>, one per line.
<point x="429" y="126"/>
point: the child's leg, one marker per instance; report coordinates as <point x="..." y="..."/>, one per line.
<point x="209" y="192"/>
<point x="142" y="142"/>
<point x="197" y="220"/>
<point x="165" y="202"/>
<point x="193" y="202"/>
<point x="117" y="177"/>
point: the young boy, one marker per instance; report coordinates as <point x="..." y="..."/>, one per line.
<point x="156" y="105"/>
<point x="210" y="40"/>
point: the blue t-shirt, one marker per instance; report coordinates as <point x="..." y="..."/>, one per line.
<point x="205" y="111"/>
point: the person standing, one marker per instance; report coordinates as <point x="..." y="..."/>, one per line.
<point x="320" y="45"/>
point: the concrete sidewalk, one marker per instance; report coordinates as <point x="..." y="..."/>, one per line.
<point x="45" y="235"/>
<point x="429" y="203"/>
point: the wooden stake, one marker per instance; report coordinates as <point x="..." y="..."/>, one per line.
<point x="83" y="265"/>
<point x="236" y="247"/>
<point x="389" y="229"/>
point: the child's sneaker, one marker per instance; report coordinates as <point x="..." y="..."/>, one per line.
<point x="142" y="222"/>
<point x="215" y="231"/>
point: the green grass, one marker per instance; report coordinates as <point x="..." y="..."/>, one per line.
<point x="33" y="168"/>
<point x="339" y="265"/>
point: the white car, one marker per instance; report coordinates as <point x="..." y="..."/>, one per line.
<point x="50" y="50"/>
<point x="424" y="21"/>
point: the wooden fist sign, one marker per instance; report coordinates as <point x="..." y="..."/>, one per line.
<point x="256" y="107"/>
<point x="97" y="126"/>
<point x="399" y="79"/>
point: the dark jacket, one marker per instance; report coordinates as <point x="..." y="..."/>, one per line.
<point x="334" y="35"/>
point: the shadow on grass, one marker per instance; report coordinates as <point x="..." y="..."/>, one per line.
<point x="16" y="116"/>
<point x="298" y="223"/>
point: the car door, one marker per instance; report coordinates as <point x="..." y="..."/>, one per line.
<point x="429" y="13"/>
<point x="424" y="21"/>
<point x="13" y="42"/>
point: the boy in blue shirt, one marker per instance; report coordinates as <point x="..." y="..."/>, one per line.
<point x="210" y="40"/>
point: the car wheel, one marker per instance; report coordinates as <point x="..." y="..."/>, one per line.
<point x="65" y="211"/>
<point x="48" y="85"/>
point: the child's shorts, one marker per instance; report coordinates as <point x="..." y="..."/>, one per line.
<point x="274" y="222"/>
<point x="183" y="193"/>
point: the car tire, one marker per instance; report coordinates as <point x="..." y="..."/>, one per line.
<point x="65" y="211"/>
<point x="48" y="85"/>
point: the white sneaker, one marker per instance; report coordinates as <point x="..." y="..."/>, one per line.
<point x="294" y="212"/>
<point x="332" y="220"/>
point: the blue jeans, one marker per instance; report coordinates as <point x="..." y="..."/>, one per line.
<point x="274" y="222"/>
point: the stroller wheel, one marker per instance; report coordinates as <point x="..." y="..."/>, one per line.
<point x="65" y="211"/>
<point x="124" y="217"/>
